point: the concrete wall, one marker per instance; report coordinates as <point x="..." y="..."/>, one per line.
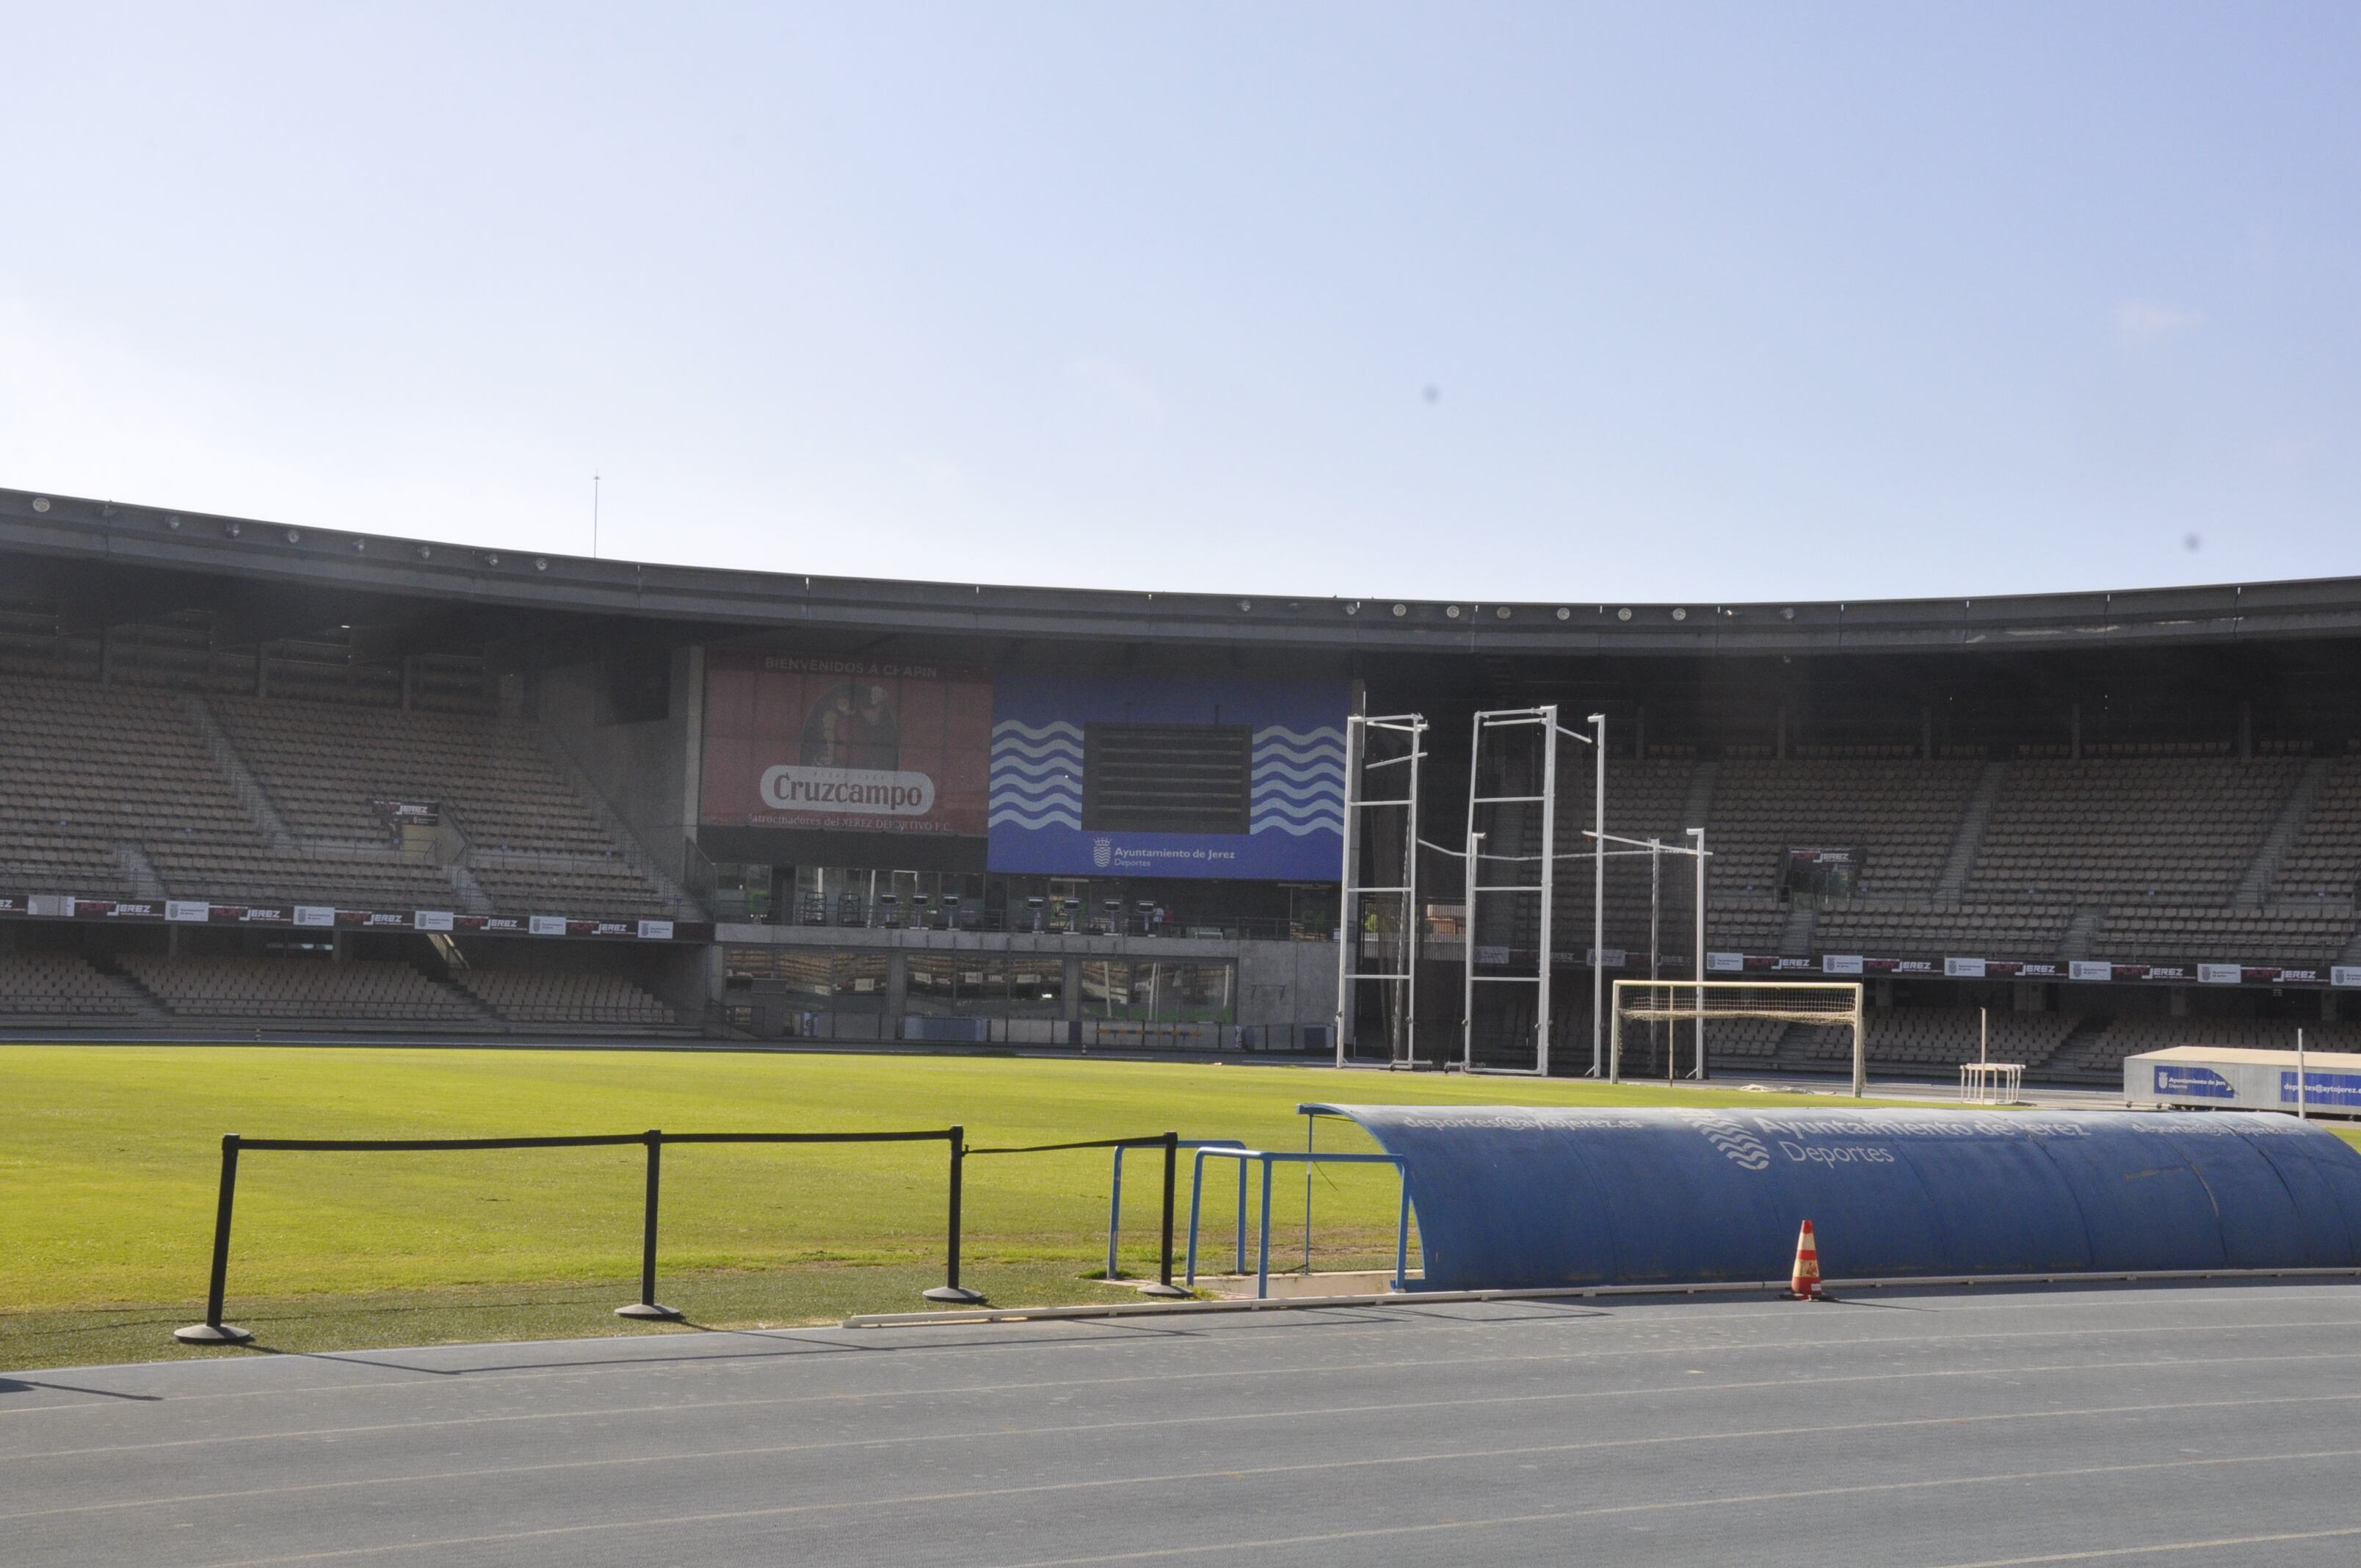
<point x="648" y="771"/>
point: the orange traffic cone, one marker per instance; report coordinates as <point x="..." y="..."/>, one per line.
<point x="1805" y="1285"/>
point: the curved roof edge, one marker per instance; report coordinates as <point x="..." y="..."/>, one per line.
<point x="108" y="534"/>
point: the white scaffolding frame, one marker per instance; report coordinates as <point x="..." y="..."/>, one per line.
<point x="1399" y="965"/>
<point x="1545" y="718"/>
<point x="1657" y="850"/>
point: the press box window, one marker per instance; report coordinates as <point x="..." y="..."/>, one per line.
<point x="1166" y="778"/>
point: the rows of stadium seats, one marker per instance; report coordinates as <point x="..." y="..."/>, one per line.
<point x="1921" y="1040"/>
<point x="1983" y="930"/>
<point x="608" y="888"/>
<point x="1907" y="811"/>
<point x="2324" y="863"/>
<point x="227" y="872"/>
<point x="1745" y="1038"/>
<point x="102" y="784"/>
<point x="580" y="1001"/>
<point x="354" y="992"/>
<point x="87" y="768"/>
<point x="370" y="992"/>
<point x="2154" y="846"/>
<point x="1746" y="928"/>
<point x="2177" y="831"/>
<point x="2101" y="1056"/>
<point x="323" y="767"/>
<point x="62" y="985"/>
<point x="2133" y="934"/>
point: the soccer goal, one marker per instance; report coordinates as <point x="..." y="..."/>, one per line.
<point x="1830" y="1003"/>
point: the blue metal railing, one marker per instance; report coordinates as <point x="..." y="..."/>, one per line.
<point x="1267" y="1158"/>
<point x="1115" y="1198"/>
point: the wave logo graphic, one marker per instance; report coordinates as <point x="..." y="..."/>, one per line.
<point x="1297" y="783"/>
<point x="1037" y="776"/>
<point x="1738" y="1146"/>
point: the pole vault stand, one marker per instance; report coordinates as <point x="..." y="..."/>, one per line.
<point x="1544" y="887"/>
<point x="1398" y="966"/>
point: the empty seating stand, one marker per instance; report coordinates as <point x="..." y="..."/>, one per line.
<point x="2178" y="830"/>
<point x="567" y="1000"/>
<point x="2098" y="1057"/>
<point x="350" y="993"/>
<point x="87" y="771"/>
<point x="2146" y="933"/>
<point x="112" y="791"/>
<point x="2323" y="865"/>
<point x="1903" y="814"/>
<point x="34" y="986"/>
<point x="1996" y="930"/>
<point x="536" y="845"/>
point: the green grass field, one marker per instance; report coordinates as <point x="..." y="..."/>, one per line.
<point x="110" y="1157"/>
<point x="107" y="1179"/>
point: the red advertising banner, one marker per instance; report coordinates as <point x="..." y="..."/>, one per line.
<point x="845" y="744"/>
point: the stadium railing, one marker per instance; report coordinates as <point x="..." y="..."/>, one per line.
<point x="1267" y="1160"/>
<point x="213" y="1331"/>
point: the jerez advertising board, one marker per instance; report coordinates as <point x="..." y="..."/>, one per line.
<point x="854" y="745"/>
<point x="1168" y="777"/>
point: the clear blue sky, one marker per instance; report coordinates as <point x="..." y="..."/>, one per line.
<point x="1534" y="301"/>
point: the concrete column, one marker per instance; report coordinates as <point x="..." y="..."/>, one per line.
<point x="688" y="703"/>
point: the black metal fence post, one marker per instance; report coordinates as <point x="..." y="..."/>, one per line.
<point x="213" y="1331"/>
<point x="1171" y="1172"/>
<point x="1164" y="1285"/>
<point x="950" y="1290"/>
<point x="646" y="1306"/>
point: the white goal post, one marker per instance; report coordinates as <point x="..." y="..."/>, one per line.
<point x="1835" y="1004"/>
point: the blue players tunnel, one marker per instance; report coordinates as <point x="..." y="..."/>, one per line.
<point x="1510" y="1197"/>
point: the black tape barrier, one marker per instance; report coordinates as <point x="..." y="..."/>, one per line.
<point x="213" y="1331"/>
<point x="1170" y="1144"/>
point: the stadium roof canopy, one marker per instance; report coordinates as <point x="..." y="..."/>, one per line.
<point x="104" y="563"/>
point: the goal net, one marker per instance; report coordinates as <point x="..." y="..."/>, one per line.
<point x="1741" y="1012"/>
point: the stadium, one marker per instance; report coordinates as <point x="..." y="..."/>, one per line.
<point x="271" y="781"/>
<point x="414" y="878"/>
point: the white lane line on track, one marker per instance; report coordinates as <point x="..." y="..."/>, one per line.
<point x="1685" y="1350"/>
<point x="1786" y="1381"/>
<point x="1606" y="1510"/>
<point x="2098" y="1553"/>
<point x="1226" y="1333"/>
<point x="1002" y="1433"/>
